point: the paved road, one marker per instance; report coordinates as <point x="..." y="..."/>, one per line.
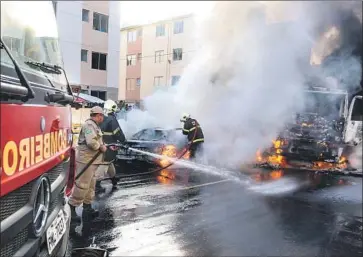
<point x="276" y="214"/>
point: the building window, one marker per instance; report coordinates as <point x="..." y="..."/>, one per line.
<point x="100" y="22"/>
<point x="99" y="94"/>
<point x="175" y="80"/>
<point x="12" y="43"/>
<point x="157" y="81"/>
<point x="177" y="54"/>
<point x="159" y="56"/>
<point x="85" y="15"/>
<point x="131" y="36"/>
<point x="139" y="56"/>
<point x="138" y="82"/>
<point x="160" y="30"/>
<point x="99" y="61"/>
<point x="131" y="60"/>
<point x="178" y="27"/>
<point x="84" y="54"/>
<point x="130" y="84"/>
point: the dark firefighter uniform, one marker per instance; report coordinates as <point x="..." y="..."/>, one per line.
<point x="195" y="136"/>
<point x="112" y="133"/>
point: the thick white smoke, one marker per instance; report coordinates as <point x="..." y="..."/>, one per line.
<point x="243" y="85"/>
<point x="355" y="159"/>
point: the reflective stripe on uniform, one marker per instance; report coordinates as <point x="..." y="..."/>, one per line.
<point x="111" y="133"/>
<point x="198" y="140"/>
<point x="185" y="130"/>
<point x="116" y="130"/>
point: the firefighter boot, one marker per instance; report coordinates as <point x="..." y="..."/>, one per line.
<point x="74" y="216"/>
<point x="99" y="188"/>
<point x="88" y="214"/>
<point x="114" y="181"/>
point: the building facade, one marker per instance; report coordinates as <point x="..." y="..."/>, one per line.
<point x="89" y="33"/>
<point x="153" y="56"/>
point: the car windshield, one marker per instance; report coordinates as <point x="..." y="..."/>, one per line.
<point x="29" y="30"/>
<point x="150" y="135"/>
<point x="158" y="135"/>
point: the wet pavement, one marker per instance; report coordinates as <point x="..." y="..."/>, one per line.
<point x="277" y="213"/>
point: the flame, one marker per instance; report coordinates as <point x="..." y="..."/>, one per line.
<point x="169" y="151"/>
<point x="274" y="157"/>
<point x="166" y="177"/>
<point x="342" y="164"/>
<point x="186" y="156"/>
<point x="167" y="174"/>
<point x="277" y="144"/>
<point x="164" y="180"/>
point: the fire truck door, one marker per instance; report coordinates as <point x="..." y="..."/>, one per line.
<point x="352" y="126"/>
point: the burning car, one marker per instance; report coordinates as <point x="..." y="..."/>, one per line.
<point x="319" y="136"/>
<point x="166" y="142"/>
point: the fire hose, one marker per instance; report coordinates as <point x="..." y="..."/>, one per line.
<point x="186" y="149"/>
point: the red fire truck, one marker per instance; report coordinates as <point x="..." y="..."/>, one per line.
<point x="37" y="160"/>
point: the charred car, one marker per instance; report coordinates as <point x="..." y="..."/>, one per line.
<point x="166" y="142"/>
<point x="320" y="134"/>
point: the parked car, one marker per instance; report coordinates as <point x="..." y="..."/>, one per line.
<point x="167" y="142"/>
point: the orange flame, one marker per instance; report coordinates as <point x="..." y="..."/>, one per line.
<point x="164" y="180"/>
<point x="166" y="177"/>
<point x="274" y="158"/>
<point x="169" y="151"/>
<point x="167" y="174"/>
<point x="186" y="156"/>
<point x="342" y="164"/>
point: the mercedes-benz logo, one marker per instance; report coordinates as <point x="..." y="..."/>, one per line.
<point x="41" y="206"/>
<point x="42" y="123"/>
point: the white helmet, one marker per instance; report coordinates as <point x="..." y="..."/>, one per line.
<point x="184" y="117"/>
<point x="109" y="107"/>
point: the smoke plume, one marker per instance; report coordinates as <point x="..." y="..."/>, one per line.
<point x="247" y="78"/>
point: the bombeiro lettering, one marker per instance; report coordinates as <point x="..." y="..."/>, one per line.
<point x="32" y="150"/>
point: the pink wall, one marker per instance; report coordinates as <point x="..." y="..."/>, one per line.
<point x="134" y="72"/>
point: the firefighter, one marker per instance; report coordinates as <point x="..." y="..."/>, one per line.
<point x="195" y="134"/>
<point x="89" y="143"/>
<point x="112" y="133"/>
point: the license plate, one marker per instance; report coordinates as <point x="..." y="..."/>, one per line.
<point x="56" y="231"/>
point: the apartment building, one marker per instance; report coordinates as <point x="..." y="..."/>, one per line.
<point x="89" y="33"/>
<point x="153" y="56"/>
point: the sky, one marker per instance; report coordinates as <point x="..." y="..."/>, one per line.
<point x="141" y="12"/>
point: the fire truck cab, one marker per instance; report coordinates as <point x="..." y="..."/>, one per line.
<point x="37" y="158"/>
